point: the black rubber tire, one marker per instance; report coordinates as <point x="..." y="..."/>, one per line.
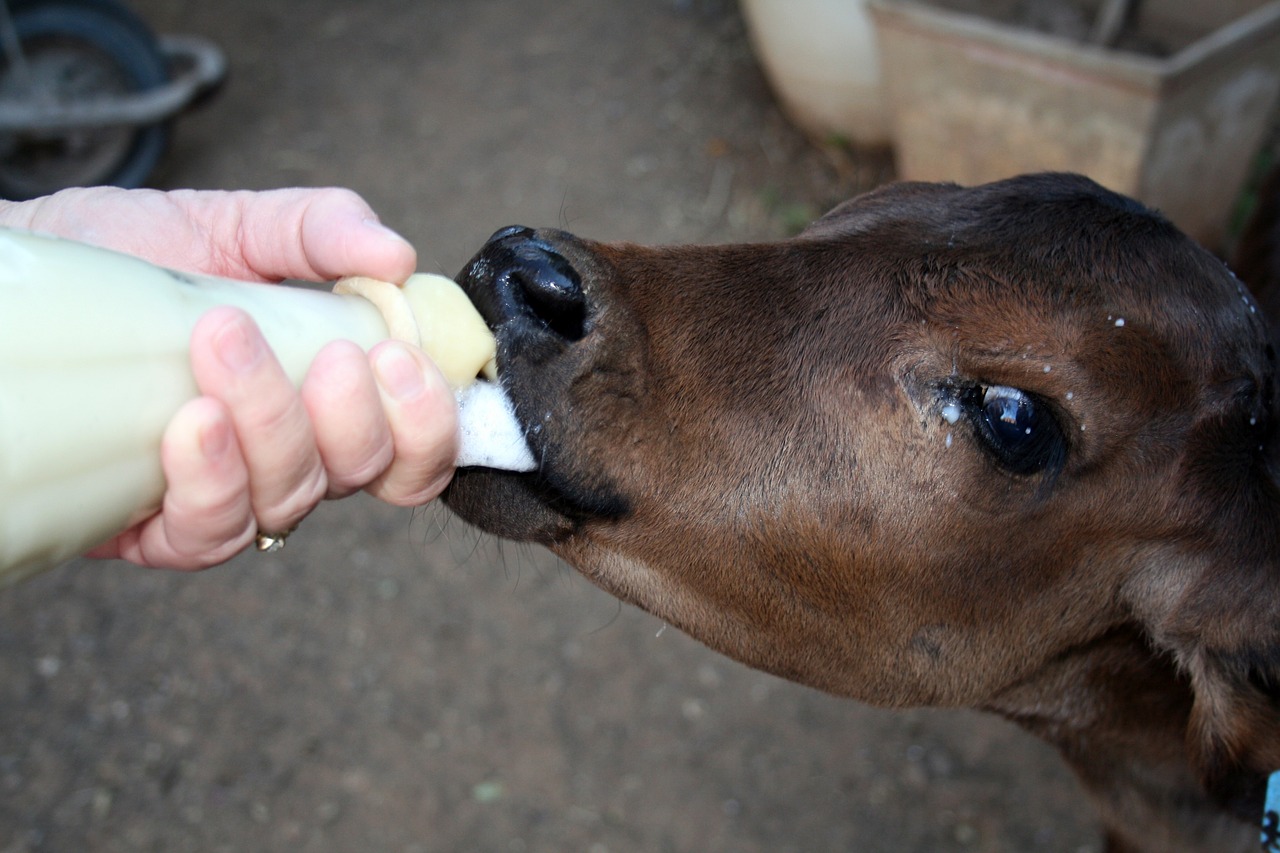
<point x="109" y="46"/>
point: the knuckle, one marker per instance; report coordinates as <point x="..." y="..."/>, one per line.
<point x="363" y="469"/>
<point x="276" y="513"/>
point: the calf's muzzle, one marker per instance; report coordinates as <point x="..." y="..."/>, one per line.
<point x="528" y="281"/>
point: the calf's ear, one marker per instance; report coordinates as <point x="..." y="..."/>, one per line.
<point x="1218" y="608"/>
<point x="1225" y="639"/>
<point x="1211" y="597"/>
<point x="1235" y="718"/>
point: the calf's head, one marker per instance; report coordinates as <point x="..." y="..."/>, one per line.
<point x="939" y="440"/>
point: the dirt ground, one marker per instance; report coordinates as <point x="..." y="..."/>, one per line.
<point x="392" y="681"/>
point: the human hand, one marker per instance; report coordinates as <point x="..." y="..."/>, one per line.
<point x="254" y="454"/>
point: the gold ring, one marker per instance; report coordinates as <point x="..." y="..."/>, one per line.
<point x="269" y="543"/>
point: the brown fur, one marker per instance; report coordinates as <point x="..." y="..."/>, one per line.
<point x="749" y="441"/>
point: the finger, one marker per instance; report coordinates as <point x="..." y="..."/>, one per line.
<point x="341" y="235"/>
<point x="311" y="234"/>
<point x="233" y="364"/>
<point x="352" y="433"/>
<point x="147" y="223"/>
<point x="423" y="416"/>
<point x="206" y="517"/>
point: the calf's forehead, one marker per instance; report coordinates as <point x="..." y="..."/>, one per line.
<point x="1045" y="263"/>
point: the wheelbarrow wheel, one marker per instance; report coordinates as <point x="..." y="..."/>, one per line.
<point x="77" y="49"/>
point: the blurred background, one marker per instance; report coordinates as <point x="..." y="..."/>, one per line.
<point x="392" y="681"/>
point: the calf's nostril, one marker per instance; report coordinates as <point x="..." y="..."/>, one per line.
<point x="519" y="274"/>
<point x="548" y="286"/>
<point x="511" y="231"/>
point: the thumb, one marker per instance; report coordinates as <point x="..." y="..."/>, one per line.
<point x="308" y="234"/>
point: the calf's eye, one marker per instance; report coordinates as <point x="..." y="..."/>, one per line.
<point x="1019" y="429"/>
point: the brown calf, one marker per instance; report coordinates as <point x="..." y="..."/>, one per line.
<point x="1011" y="447"/>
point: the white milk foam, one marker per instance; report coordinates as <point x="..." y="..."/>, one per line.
<point x="491" y="435"/>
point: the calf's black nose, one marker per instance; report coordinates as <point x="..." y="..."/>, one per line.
<point x="531" y="279"/>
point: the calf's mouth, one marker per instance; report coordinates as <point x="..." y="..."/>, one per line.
<point x="534" y="299"/>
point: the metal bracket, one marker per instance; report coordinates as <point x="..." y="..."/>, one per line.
<point x="200" y="62"/>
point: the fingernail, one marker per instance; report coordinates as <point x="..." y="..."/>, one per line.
<point x="399" y="373"/>
<point x="383" y="231"/>
<point x="239" y="346"/>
